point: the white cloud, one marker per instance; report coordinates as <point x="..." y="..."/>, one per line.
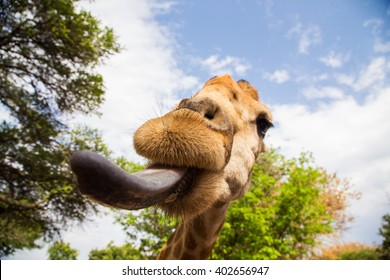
<point x="377" y="30"/>
<point x="323" y="92"/>
<point x="228" y="65"/>
<point x="308" y="35"/>
<point x="373" y="75"/>
<point x="162" y="7"/>
<point x="348" y="138"/>
<point x="273" y="22"/>
<point x="140" y="78"/>
<point x="345" y="79"/>
<point x="279" y="76"/>
<point x="382" y="47"/>
<point x="375" y="24"/>
<point x="321" y="77"/>
<point x="312" y="78"/>
<point x="334" y="60"/>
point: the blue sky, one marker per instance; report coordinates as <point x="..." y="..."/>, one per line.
<point x="321" y="66"/>
<point x="268" y="36"/>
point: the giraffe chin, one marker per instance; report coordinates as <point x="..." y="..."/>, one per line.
<point x="198" y="191"/>
<point x="105" y="183"/>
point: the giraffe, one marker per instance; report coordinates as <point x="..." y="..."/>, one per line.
<point x="201" y="156"/>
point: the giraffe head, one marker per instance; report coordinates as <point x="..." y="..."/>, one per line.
<point x="201" y="154"/>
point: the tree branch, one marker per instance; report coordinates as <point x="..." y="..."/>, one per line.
<point x="26" y="205"/>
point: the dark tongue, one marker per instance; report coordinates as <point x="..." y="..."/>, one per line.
<point x="104" y="182"/>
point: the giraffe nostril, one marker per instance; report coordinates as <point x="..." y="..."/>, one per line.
<point x="210" y="114"/>
<point x="206" y="107"/>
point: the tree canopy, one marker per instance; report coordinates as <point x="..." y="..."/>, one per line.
<point x="384" y="231"/>
<point x="48" y="53"/>
<point x="60" y="250"/>
<point x="348" y="251"/>
<point x="112" y="252"/>
<point x="291" y="205"/>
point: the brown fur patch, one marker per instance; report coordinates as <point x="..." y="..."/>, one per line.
<point x="178" y="248"/>
<point x="216" y="217"/>
<point x="179" y="232"/>
<point x="219" y="204"/>
<point x="206" y="252"/>
<point x="163" y="253"/>
<point x="234" y="185"/>
<point x="200" y="227"/>
<point x="188" y="256"/>
<point x="248" y="88"/>
<point x="219" y="228"/>
<point x="190" y="242"/>
<point x="171" y="238"/>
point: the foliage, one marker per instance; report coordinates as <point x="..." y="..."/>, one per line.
<point x="148" y="230"/>
<point x="289" y="207"/>
<point x="112" y="252"/>
<point x="384" y="231"/>
<point x="348" y="251"/>
<point x="60" y="250"/>
<point x="45" y="198"/>
<point x="126" y="165"/>
<point x="48" y="53"/>
<point x="364" y="254"/>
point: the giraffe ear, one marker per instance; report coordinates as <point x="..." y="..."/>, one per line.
<point x="102" y="181"/>
<point x="247" y="87"/>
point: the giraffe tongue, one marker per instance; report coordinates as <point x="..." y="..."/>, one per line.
<point x="104" y="182"/>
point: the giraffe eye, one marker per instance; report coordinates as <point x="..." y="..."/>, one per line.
<point x="263" y="125"/>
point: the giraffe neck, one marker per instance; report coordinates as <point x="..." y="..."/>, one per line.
<point x="195" y="239"/>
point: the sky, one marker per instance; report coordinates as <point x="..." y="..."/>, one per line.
<point x="323" y="67"/>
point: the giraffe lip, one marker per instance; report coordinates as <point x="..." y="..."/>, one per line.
<point x="186" y="183"/>
<point x="102" y="181"/>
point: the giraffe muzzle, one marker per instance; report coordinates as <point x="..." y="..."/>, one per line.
<point x="102" y="181"/>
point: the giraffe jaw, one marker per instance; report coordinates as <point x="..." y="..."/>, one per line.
<point x="102" y="181"/>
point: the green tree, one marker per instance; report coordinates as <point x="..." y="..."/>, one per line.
<point x="348" y="251"/>
<point x="289" y="207"/>
<point x="363" y="254"/>
<point x="112" y="252"/>
<point x="48" y="53"/>
<point x="148" y="230"/>
<point x="60" y="250"/>
<point x="384" y="231"/>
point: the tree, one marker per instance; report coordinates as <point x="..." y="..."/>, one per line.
<point x="60" y="250"/>
<point x="148" y="230"/>
<point x="112" y="252"/>
<point x="363" y="254"/>
<point x="48" y="52"/>
<point x="290" y="206"/>
<point x="384" y="231"/>
<point x="348" y="251"/>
